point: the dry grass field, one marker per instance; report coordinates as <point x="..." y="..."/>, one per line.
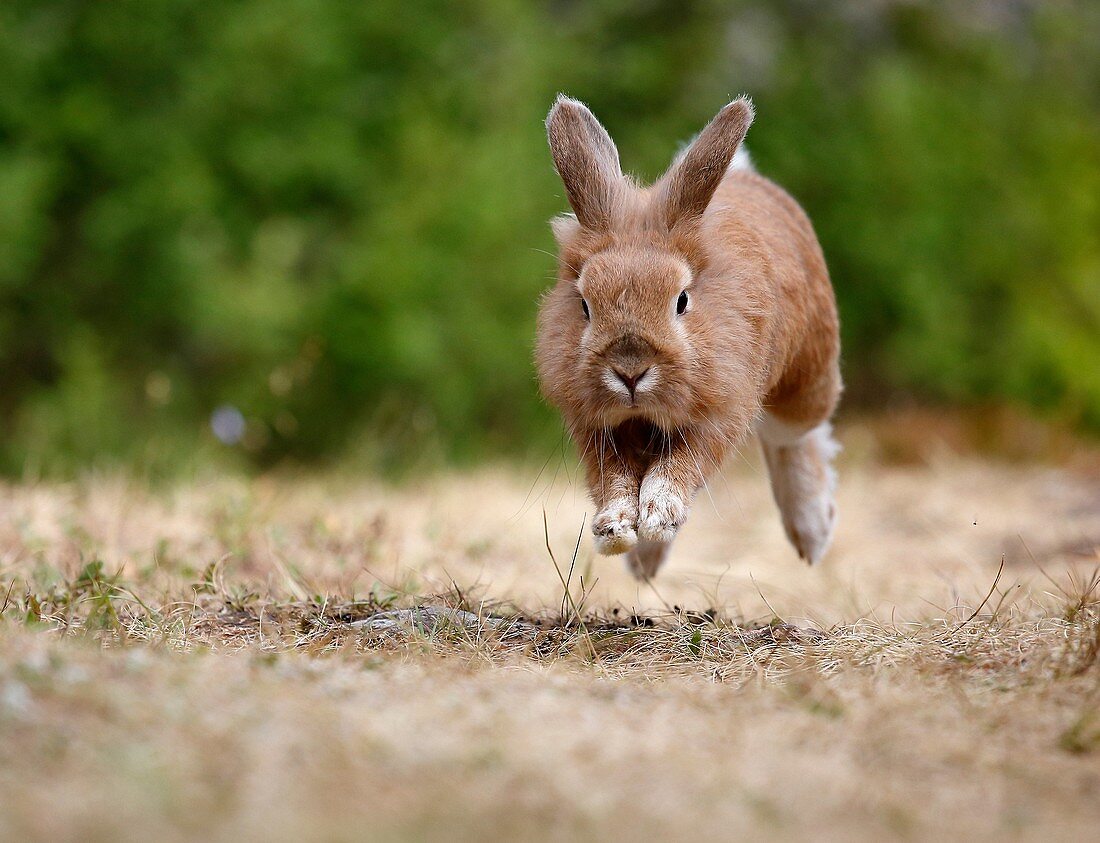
<point x="227" y="660"/>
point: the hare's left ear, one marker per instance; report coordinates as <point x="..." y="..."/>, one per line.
<point x="691" y="181"/>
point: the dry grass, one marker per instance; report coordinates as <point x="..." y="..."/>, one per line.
<point x="212" y="660"/>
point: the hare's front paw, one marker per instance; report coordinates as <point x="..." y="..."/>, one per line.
<point x="662" y="509"/>
<point x="616" y="527"/>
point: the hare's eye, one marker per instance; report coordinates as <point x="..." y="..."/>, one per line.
<point x="682" y="303"/>
<point x="584" y="307"/>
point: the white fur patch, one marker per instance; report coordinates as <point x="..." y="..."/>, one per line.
<point x="661" y="509"/>
<point x="804" y="484"/>
<point x="615" y="385"/>
<point x="829" y="448"/>
<point x="742" y="160"/>
<point x="814" y="517"/>
<point x="778" y="432"/>
<point x="614" y="527"/>
<point x="647" y="384"/>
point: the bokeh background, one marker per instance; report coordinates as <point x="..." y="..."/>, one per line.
<point x="322" y="224"/>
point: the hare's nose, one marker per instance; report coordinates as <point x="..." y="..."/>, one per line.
<point x="631" y="381"/>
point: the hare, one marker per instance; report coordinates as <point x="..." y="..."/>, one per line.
<point x="686" y="316"/>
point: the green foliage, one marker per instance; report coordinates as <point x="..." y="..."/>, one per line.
<point x="332" y="215"/>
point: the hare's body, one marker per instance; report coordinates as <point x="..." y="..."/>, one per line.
<point x="686" y="316"/>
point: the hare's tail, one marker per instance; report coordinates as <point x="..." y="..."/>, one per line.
<point x="742" y="160"/>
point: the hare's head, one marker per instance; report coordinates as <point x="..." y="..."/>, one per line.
<point x="619" y="335"/>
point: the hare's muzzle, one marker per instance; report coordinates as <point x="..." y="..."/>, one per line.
<point x="629" y="360"/>
<point x="630" y="381"/>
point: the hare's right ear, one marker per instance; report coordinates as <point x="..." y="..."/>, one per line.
<point x="587" y="161"/>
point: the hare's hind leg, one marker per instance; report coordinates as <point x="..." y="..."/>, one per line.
<point x="646" y="557"/>
<point x="800" y="464"/>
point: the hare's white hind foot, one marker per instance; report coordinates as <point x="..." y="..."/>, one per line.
<point x="645" y="559"/>
<point x="615" y="527"/>
<point x="803" y="483"/>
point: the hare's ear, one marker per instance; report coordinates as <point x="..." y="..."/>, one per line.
<point x="587" y="161"/>
<point x="695" y="175"/>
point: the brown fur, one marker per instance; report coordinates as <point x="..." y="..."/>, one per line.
<point x="759" y="333"/>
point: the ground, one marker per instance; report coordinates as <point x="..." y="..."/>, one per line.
<point x="225" y="659"/>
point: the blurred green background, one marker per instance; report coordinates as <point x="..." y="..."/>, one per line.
<point x="330" y="216"/>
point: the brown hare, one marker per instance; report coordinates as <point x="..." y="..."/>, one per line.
<point x="686" y="316"/>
